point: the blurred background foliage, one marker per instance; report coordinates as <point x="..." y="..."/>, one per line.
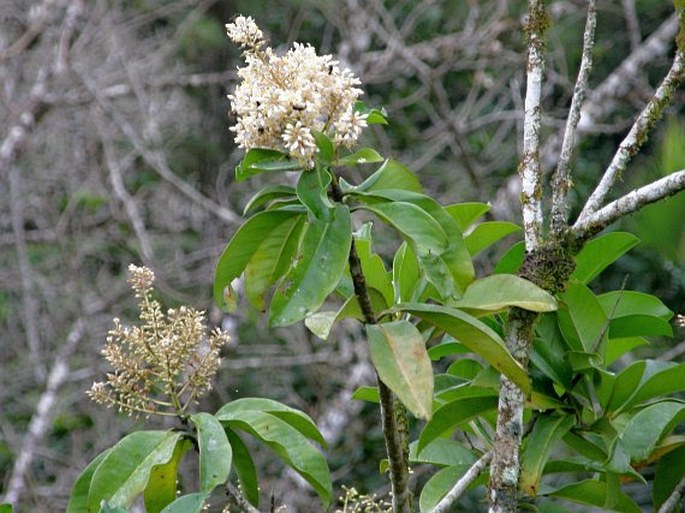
<point x="129" y="159"/>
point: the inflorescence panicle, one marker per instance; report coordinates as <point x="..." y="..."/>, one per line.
<point x="281" y="100"/>
<point x="162" y="365"/>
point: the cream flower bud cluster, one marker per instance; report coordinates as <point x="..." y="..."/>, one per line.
<point x="281" y="100"/>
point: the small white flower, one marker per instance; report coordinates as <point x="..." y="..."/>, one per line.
<point x="245" y="32"/>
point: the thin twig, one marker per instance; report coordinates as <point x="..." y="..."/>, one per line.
<point x="673" y="499"/>
<point x="631" y="202"/>
<point x="561" y="181"/>
<point x="636" y="137"/>
<point x="460" y="487"/>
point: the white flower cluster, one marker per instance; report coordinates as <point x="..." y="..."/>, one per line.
<point x="282" y="99"/>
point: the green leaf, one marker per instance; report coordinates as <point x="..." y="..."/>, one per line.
<point x="443" y="452"/>
<point x="259" y="160"/>
<point x="639" y="326"/>
<point x="399" y="354"/>
<point x="323" y="256"/>
<point x="215" y="451"/>
<point x="582" y="321"/>
<point x="272" y="260"/>
<point x="512" y="260"/>
<point x="78" y="502"/>
<point x="312" y="190"/>
<point x="124" y="473"/>
<point x="465" y="214"/>
<point x="447" y="264"/>
<point x="325" y="154"/>
<point x="452" y="414"/>
<point x="374" y="116"/>
<point x="5" y="508"/>
<point x="369" y="394"/>
<point x="617" y="347"/>
<point x="405" y="273"/>
<point x="242" y="247"/>
<point x="244" y="467"/>
<point x="644" y="380"/>
<point x="498" y="292"/>
<point x="269" y="193"/>
<point x="161" y="487"/>
<point x="391" y="175"/>
<point x="296" y="418"/>
<point x="362" y="156"/>
<point x="105" y="507"/>
<point x="594" y="493"/>
<point x="372" y="265"/>
<point x="439" y="485"/>
<point x="191" y="503"/>
<point x="549" y="352"/>
<point x="286" y="441"/>
<point x="548" y="430"/>
<point x="647" y="427"/>
<point x="486" y="234"/>
<point x="669" y="471"/>
<point x="474" y="335"/>
<point x="601" y="252"/>
<point x="624" y="303"/>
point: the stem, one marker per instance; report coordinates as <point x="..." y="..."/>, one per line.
<point x="234" y="493"/>
<point x="394" y="427"/>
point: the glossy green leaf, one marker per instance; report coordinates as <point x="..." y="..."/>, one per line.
<point x="594" y="493"/>
<point x="498" y="292"/>
<point x="629" y="302"/>
<point x="312" y="190"/>
<point x="244" y="467"/>
<point x="442" y="451"/>
<point x="582" y="321"/>
<point x="267" y="194"/>
<point x="362" y="156"/>
<point x="272" y="260"/>
<point x="324" y="251"/>
<point x="670" y="470"/>
<point x="439" y="485"/>
<point x="326" y="150"/>
<point x="448" y="269"/>
<point x="639" y="326"/>
<point x="512" y="260"/>
<point x="161" y="487"/>
<point x="375" y="274"/>
<point x="399" y="355"/>
<point x="617" y="347"/>
<point x="242" y="246"/>
<point x="590" y="449"/>
<point x="296" y="418"/>
<point x="369" y="394"/>
<point x="446" y="348"/>
<point x="465" y="214"/>
<point x="601" y="252"/>
<point x="124" y="473"/>
<point x="486" y="234"/>
<point x="474" y="335"/>
<point x="258" y="160"/>
<point x="547" y="431"/>
<point x="405" y="273"/>
<point x="374" y="116"/>
<point x="647" y="427"/>
<point x="216" y="455"/>
<point x="78" y="501"/>
<point x="286" y="441"/>
<point x="659" y="379"/>
<point x="391" y="175"/>
<point x="191" y="503"/>
<point x="451" y="415"/>
<point x="549" y="351"/>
